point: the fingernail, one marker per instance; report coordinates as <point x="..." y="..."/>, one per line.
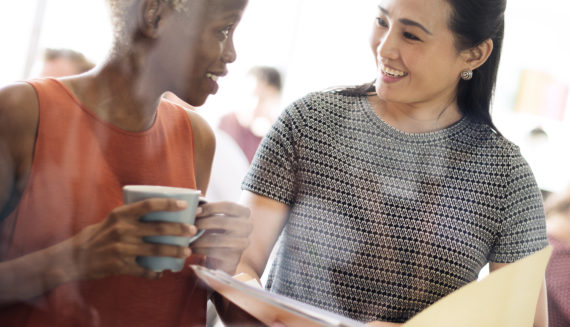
<point x="181" y="204"/>
<point x="187" y="252"/>
<point x="192" y="229"/>
<point x="199" y="211"/>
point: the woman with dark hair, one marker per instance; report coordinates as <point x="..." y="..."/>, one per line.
<point x="389" y="196"/>
<point x="68" y="244"/>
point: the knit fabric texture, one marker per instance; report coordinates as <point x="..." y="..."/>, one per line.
<point x="384" y="223"/>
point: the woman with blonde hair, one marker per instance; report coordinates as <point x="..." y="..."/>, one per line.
<point x="68" y="245"/>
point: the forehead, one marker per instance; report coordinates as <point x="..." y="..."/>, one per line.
<point x="217" y="8"/>
<point x="209" y="12"/>
<point x="430" y="13"/>
<point x="226" y="5"/>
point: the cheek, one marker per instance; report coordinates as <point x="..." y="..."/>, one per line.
<point x="427" y="61"/>
<point x="374" y="43"/>
<point x="211" y="50"/>
<point x="202" y="59"/>
<point x="445" y="65"/>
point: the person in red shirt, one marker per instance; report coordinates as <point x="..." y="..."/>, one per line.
<point x="68" y="245"/>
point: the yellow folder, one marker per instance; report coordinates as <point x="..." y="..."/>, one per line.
<point x="507" y="297"/>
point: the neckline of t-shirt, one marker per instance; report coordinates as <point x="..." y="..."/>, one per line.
<point x="103" y="122"/>
<point x="433" y="136"/>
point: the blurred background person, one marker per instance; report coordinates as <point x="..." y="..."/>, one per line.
<point x="558" y="270"/>
<point x="249" y="123"/>
<point x="64" y="62"/>
<point x="230" y="163"/>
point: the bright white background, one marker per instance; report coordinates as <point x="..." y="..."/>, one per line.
<point x="316" y="44"/>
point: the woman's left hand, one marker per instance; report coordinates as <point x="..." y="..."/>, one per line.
<point x="227" y="228"/>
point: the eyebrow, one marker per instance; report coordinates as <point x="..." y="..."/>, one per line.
<point x="407" y="22"/>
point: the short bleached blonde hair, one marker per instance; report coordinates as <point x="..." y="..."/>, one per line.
<point x="121" y="9"/>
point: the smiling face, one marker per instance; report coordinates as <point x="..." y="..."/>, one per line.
<point x="415" y="53"/>
<point x="197" y="45"/>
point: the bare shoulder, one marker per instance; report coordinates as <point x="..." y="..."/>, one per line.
<point x="18" y="125"/>
<point x="18" y="109"/>
<point x="17" y="94"/>
<point x="204" y="149"/>
<point x="204" y="139"/>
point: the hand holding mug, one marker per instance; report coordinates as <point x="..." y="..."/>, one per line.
<point x="227" y="228"/>
<point x="133" y="193"/>
<point x="112" y="246"/>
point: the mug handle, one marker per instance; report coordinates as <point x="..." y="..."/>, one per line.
<point x="202" y="200"/>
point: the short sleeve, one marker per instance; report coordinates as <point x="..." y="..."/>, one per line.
<point x="274" y="168"/>
<point x="523" y="228"/>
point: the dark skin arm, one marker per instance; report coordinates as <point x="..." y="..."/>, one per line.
<point x="110" y="247"/>
<point x="100" y="250"/>
<point x="18" y="126"/>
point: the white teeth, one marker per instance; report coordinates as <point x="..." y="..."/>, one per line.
<point x="212" y="77"/>
<point x="392" y="72"/>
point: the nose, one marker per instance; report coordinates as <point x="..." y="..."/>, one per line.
<point x="388" y="46"/>
<point x="229" y="54"/>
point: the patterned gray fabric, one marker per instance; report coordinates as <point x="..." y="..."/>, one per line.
<point x="384" y="223"/>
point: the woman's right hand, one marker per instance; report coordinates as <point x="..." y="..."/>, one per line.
<point x="111" y="246"/>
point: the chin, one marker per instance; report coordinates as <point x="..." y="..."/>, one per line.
<point x="195" y="101"/>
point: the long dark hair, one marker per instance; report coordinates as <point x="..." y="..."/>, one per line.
<point x="472" y="22"/>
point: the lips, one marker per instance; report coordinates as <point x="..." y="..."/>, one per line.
<point x="212" y="77"/>
<point x="391" y="72"/>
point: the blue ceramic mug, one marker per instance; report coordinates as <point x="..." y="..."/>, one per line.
<point x="135" y="193"/>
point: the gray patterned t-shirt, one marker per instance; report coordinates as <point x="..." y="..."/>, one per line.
<point x="384" y="223"/>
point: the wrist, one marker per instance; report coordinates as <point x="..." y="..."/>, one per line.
<point x="60" y="267"/>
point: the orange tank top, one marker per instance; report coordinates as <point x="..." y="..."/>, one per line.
<point x="80" y="165"/>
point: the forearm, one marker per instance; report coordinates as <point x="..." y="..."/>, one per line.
<point x="34" y="274"/>
<point x="247" y="269"/>
<point x="231" y="314"/>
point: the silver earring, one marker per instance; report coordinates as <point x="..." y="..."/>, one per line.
<point x="466" y="75"/>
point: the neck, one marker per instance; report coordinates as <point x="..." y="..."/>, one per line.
<point x="417" y="118"/>
<point x="120" y="93"/>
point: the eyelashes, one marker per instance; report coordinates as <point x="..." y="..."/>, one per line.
<point x="384" y="24"/>
<point x="411" y="36"/>
<point x="226" y="31"/>
<point x="381" y="22"/>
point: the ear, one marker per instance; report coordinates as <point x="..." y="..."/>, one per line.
<point x="475" y="57"/>
<point x="151" y="13"/>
